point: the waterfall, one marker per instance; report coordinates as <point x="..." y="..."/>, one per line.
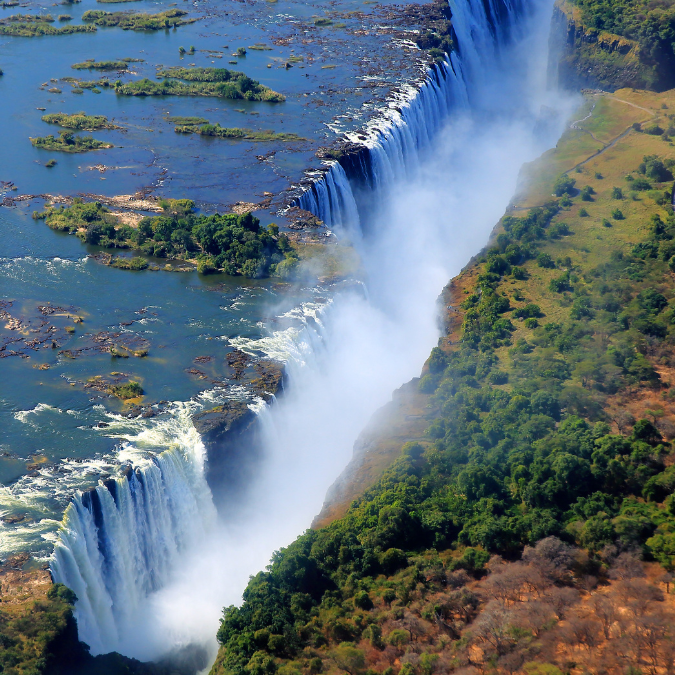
<point x="121" y="540"/>
<point x="396" y="140"/>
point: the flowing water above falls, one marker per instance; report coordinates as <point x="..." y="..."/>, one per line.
<point x="150" y="562"/>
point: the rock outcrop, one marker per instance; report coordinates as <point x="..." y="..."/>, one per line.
<point x="583" y="57"/>
<point x="231" y="432"/>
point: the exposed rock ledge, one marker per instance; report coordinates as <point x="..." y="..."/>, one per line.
<point x="231" y="432"/>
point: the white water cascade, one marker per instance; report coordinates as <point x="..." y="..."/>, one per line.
<point x="122" y="540"/>
<point x="150" y="569"/>
<point x="402" y="134"/>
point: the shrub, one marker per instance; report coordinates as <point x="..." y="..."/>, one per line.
<point x="206" y="266"/>
<point x="398" y="637"/>
<point x="129" y="390"/>
<point x="529" y="311"/>
<point x="137" y="263"/>
<point x="545" y="260"/>
<point x="559" y="230"/>
<point x="655" y="169"/>
<point x="531" y="323"/>
<point x="606" y="223"/>
<point x="362" y="600"/>
<point x="640" y="184"/>
<point x="583" y="213"/>
<point x="587" y="193"/>
<point x="498" y="377"/>
<point x="393" y="559"/>
<point x="617" y="193"/>
<point x="560" y="284"/>
<point x="617" y="214"/>
<point x="564" y="185"/>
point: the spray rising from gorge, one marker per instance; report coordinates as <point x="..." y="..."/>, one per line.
<point x="150" y="562"/>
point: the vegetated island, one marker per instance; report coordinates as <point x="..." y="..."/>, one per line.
<point x="180" y="119"/>
<point x="203" y="82"/>
<point x="139" y="22"/>
<point x="235" y="133"/>
<point x="68" y="142"/>
<point x="101" y="65"/>
<point x="229" y="243"/>
<point x="80" y="121"/>
<point x="33" y="25"/>
<point x="94" y="86"/>
<point x="129" y="390"/>
<point x="533" y="526"/>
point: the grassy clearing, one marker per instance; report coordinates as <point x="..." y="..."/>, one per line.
<point x="592" y="243"/>
<point x="612" y="116"/>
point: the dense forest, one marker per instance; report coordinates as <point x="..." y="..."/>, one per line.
<point x="526" y="459"/>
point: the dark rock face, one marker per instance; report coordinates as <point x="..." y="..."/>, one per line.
<point x="232" y="436"/>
